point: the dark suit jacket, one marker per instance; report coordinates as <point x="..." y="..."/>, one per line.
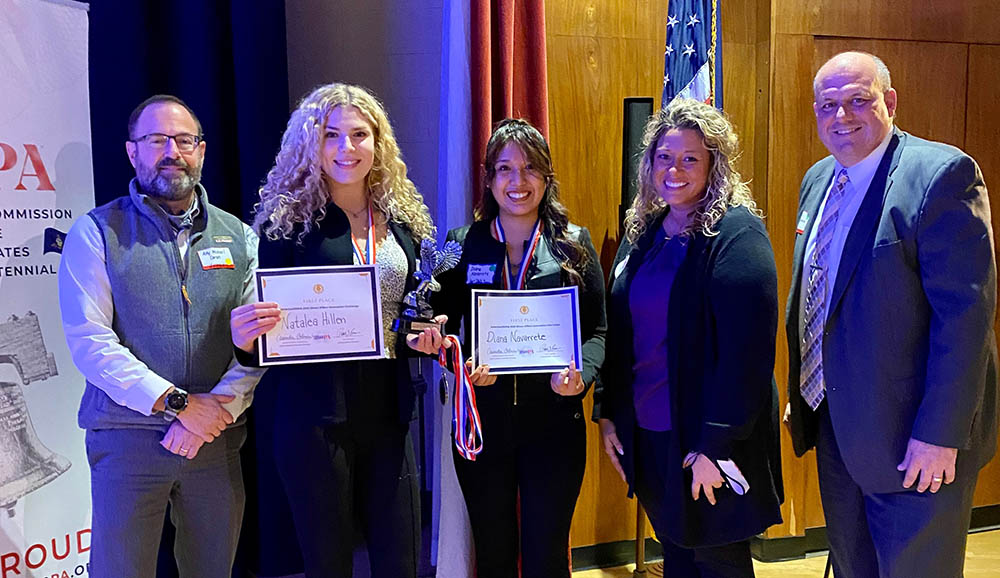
<point x="722" y="319"/>
<point x="314" y="392"/>
<point x="908" y="347"/>
<point x="455" y="300"/>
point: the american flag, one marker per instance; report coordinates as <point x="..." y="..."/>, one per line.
<point x="692" y="59"/>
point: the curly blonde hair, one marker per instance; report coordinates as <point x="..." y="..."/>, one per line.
<point x="725" y="185"/>
<point x="295" y="190"/>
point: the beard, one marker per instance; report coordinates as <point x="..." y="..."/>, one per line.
<point x="170" y="188"/>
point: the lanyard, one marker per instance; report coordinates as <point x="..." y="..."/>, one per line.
<point x="368" y="257"/>
<point x="465" y="417"/>
<point x="529" y="253"/>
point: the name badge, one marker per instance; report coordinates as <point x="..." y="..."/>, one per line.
<point x="480" y="274"/>
<point x="216" y="258"/>
<point x="803" y="221"/>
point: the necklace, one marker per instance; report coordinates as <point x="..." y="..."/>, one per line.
<point x="368" y="256"/>
<point x="363" y="211"/>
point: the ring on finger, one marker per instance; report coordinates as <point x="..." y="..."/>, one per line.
<point x="184" y="450"/>
<point x="937" y="479"/>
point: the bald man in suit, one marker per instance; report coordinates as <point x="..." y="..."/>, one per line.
<point x="891" y="348"/>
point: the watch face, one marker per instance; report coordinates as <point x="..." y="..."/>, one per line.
<point x="176" y="401"/>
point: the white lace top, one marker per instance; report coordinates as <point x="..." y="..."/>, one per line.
<point x="390" y="261"/>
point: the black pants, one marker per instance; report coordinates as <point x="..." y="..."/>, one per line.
<point x="337" y="484"/>
<point x="725" y="561"/>
<point x="356" y="476"/>
<point x="535" y="452"/>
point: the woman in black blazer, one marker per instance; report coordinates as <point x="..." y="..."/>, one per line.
<point x="688" y="408"/>
<point x="534" y="434"/>
<point x="338" y="195"/>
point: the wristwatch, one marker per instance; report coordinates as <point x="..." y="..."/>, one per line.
<point x="174" y="403"/>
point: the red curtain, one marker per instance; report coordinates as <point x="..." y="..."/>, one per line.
<point x="508" y="70"/>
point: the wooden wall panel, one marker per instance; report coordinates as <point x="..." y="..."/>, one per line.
<point x="929" y="77"/>
<point x="791" y="149"/>
<point x="973" y="21"/>
<point x="599" y="52"/>
<point x="739" y="80"/>
<point x="982" y="128"/>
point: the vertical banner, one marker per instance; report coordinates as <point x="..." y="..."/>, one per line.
<point x="46" y="182"/>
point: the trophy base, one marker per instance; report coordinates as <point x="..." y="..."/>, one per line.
<point x="406" y="326"/>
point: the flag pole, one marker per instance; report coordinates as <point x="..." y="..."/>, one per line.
<point x="711" y="52"/>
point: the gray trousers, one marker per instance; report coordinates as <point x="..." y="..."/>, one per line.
<point x="133" y="479"/>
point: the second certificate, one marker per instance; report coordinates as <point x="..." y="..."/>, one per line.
<point x="327" y="314"/>
<point x="536" y="331"/>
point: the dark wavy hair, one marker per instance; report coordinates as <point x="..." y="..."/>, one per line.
<point x="555" y="218"/>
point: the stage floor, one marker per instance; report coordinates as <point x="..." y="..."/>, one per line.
<point x="982" y="560"/>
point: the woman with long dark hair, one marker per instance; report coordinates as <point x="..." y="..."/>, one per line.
<point x="533" y="427"/>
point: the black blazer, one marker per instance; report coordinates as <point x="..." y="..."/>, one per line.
<point x="722" y="322"/>
<point x="480" y="248"/>
<point x="314" y="392"/>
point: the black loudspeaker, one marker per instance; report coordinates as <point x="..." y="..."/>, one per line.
<point x="637" y="111"/>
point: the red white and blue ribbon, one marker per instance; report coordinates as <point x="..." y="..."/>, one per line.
<point x="368" y="257"/>
<point x="465" y="419"/>
<point x="529" y="252"/>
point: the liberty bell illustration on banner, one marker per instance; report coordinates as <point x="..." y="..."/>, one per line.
<point x="25" y="464"/>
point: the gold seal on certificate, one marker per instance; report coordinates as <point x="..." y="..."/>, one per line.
<point x="331" y="313"/>
<point x="536" y="331"/>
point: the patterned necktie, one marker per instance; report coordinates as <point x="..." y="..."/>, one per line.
<point x="811" y="381"/>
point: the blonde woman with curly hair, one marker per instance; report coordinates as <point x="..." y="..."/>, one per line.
<point x="338" y="194"/>
<point x="688" y="408"/>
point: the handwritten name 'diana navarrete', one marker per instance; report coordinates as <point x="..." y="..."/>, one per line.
<point x="514" y="337"/>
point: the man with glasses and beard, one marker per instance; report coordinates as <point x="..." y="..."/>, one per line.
<point x="146" y="286"/>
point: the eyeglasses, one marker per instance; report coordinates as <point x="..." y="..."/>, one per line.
<point x="185" y="142"/>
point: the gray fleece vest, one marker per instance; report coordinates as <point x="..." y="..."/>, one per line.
<point x="186" y="343"/>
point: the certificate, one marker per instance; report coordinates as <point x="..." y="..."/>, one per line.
<point x="327" y="314"/>
<point x="535" y="331"/>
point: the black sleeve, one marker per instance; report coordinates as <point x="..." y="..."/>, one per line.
<point x="743" y="297"/>
<point x="593" y="317"/>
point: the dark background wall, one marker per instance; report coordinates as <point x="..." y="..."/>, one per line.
<point x="226" y="59"/>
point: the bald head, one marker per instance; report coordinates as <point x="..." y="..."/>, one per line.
<point x="858" y="59"/>
<point x="854" y="105"/>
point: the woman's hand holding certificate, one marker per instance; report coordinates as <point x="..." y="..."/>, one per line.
<point x="568" y="381"/>
<point x="331" y="313"/>
<point x="527" y="331"/>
